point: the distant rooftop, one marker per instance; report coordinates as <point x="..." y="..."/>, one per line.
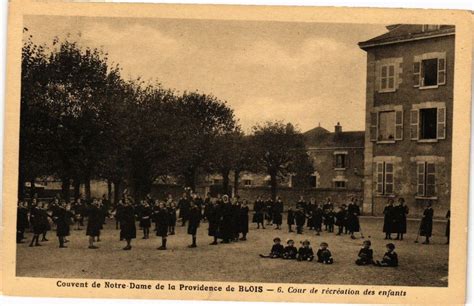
<point x="319" y="137"/>
<point x="398" y="33"/>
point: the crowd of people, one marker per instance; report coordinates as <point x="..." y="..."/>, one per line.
<point x="227" y="218"/>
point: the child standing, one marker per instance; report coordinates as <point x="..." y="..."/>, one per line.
<point x="340" y="219"/>
<point x="366" y="254"/>
<point x="300" y="219"/>
<point x="194" y="218"/>
<point x="276" y="251"/>
<point x="161" y="216"/>
<point x="390" y="258"/>
<point x="290" y="218"/>
<point x="305" y="252"/>
<point x="290" y="251"/>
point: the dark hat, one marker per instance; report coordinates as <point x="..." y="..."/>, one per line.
<point x="323" y="244"/>
<point x="367" y="242"/>
<point x="289" y="240"/>
<point x="276" y="239"/>
<point x="305" y="242"/>
<point x="391" y="246"/>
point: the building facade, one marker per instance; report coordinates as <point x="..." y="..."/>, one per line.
<point x="409" y="107"/>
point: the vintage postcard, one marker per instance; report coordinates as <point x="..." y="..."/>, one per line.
<point x="249" y="153"/>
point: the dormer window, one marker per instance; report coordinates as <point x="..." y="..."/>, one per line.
<point x="429" y="27"/>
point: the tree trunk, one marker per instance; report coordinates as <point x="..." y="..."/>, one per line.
<point x="87" y="188"/>
<point x="190" y="178"/>
<point x="32" y="188"/>
<point x="274" y="185"/>
<point x="21" y="187"/>
<point x="109" y="190"/>
<point x="77" y="188"/>
<point x="236" y="182"/>
<point x="225" y="182"/>
<point x="65" y="186"/>
<point x="117" y="188"/>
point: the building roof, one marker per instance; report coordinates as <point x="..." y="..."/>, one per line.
<point x="399" y="33"/>
<point x="321" y="138"/>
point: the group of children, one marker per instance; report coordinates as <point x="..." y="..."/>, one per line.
<point x="314" y="215"/>
<point x="305" y="253"/>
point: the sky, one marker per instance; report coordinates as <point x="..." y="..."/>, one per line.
<point x="304" y="73"/>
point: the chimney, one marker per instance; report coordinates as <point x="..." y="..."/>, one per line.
<point x="338" y="128"/>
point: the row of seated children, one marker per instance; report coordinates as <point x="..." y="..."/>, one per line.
<point x="304" y="253"/>
<point x="366" y="256"/>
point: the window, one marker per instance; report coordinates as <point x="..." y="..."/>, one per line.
<point x="313" y="181"/>
<point x="430" y="27"/>
<point x="340" y="184"/>
<point x="429" y="71"/>
<point x="428" y="123"/>
<point x="247" y="183"/>
<point x="386" y="126"/>
<point x="385" y="178"/>
<point x="340" y="161"/>
<point x="387" y="78"/>
<point x="426" y="181"/>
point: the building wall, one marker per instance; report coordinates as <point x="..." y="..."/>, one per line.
<point x="323" y="162"/>
<point x="406" y="152"/>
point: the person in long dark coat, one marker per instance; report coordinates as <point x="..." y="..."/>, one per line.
<point x="63" y="218"/>
<point x="214" y="219"/>
<point x="79" y="211"/>
<point x="207" y="205"/>
<point x="22" y="222"/>
<point x="401" y="218"/>
<point x="341" y="219"/>
<point x="145" y="219"/>
<point x="183" y="206"/>
<point x="389" y="219"/>
<point x="301" y="204"/>
<point x="35" y="220"/>
<point x="277" y="213"/>
<point x="269" y="211"/>
<point x="327" y="206"/>
<point x="117" y="211"/>
<point x="258" y="209"/>
<point x="244" y="220"/>
<point x="448" y="225"/>
<point x="329" y="219"/>
<point x="290" y="219"/>
<point x="426" y="225"/>
<point x="353" y="213"/>
<point x="194" y="221"/>
<point x="44" y="217"/>
<point x="300" y="219"/>
<point x="93" y="222"/>
<point x="310" y="207"/>
<point x="225" y="226"/>
<point x="128" y="228"/>
<point x="162" y="221"/>
<point x="235" y="220"/>
<point x="317" y="218"/>
<point x="172" y="217"/>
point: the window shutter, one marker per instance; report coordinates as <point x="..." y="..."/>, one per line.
<point x="416" y="74"/>
<point x="430" y="179"/>
<point x="441" y="130"/>
<point x="380" y="177"/>
<point x="414" y="120"/>
<point x="334" y="160"/>
<point x="421" y="179"/>
<point x="388" y="178"/>
<point x="441" y="71"/>
<point x="399" y="125"/>
<point x="373" y="126"/>
<point x="383" y="78"/>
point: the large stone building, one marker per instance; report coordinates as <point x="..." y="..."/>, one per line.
<point x="409" y="108"/>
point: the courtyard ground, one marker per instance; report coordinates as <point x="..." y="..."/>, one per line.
<point x="420" y="265"/>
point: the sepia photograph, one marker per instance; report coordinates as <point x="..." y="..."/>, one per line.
<point x="230" y="150"/>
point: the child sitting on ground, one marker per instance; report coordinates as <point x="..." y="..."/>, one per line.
<point x="276" y="251"/>
<point x="305" y="252"/>
<point x="324" y="255"/>
<point x="290" y="251"/>
<point x="390" y="258"/>
<point x="366" y="254"/>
